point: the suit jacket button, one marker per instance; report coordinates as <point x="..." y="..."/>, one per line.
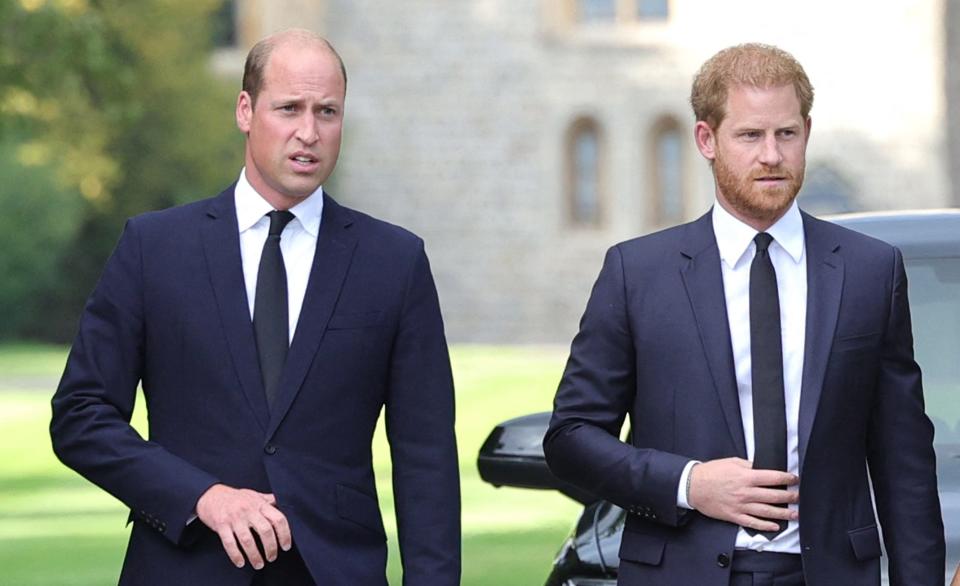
<point x="723" y="560"/>
<point x="270" y="449"/>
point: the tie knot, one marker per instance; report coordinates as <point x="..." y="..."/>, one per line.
<point x="763" y="241"/>
<point x="279" y="221"/>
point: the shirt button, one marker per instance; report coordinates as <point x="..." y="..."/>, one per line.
<point x="270" y="449"/>
<point x="723" y="560"/>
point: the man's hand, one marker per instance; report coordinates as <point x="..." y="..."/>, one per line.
<point x="235" y="514"/>
<point x="731" y="490"/>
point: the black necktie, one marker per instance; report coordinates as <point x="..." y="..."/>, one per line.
<point x="270" y="315"/>
<point x="766" y="356"/>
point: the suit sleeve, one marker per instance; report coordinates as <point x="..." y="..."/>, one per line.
<point x="90" y="427"/>
<point x="582" y="444"/>
<point x="420" y="428"/>
<point x="901" y="456"/>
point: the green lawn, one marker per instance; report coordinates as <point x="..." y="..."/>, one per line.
<point x="58" y="530"/>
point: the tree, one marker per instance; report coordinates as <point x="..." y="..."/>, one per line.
<point x="115" y="100"/>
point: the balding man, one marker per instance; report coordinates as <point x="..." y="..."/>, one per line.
<point x="268" y="327"/>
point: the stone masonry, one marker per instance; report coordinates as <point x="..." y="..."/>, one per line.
<point x="457" y="114"/>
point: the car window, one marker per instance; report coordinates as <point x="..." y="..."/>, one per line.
<point x="934" y="289"/>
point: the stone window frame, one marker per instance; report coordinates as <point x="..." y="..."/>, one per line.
<point x="662" y="126"/>
<point x="580" y="125"/>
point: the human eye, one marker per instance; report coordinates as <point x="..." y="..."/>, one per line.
<point x="287" y="108"/>
<point x="788" y="133"/>
<point x="750" y="134"/>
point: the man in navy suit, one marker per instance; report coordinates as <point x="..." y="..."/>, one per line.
<point x="268" y="327"/>
<point x="765" y="359"/>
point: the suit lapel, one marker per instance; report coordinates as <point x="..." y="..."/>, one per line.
<point x="221" y="246"/>
<point x="703" y="280"/>
<point x="824" y="289"/>
<point x="335" y="246"/>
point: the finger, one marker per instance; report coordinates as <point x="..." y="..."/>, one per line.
<point x="229" y="542"/>
<point x="773" y="478"/>
<point x="774" y="496"/>
<point x="248" y="544"/>
<point x="268" y="539"/>
<point x="268" y="498"/>
<point x="770" y="512"/>
<point x="756" y="523"/>
<point x="280" y="526"/>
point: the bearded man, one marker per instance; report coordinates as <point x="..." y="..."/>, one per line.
<point x="765" y="359"/>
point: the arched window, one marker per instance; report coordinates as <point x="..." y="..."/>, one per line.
<point x="596" y="11"/>
<point x="584" y="152"/>
<point x="666" y="167"/>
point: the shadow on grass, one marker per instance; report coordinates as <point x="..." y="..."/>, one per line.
<point x="503" y="557"/>
<point x="33" y="483"/>
<point x="521" y="557"/>
<point x="62" y="561"/>
<point x="107" y="514"/>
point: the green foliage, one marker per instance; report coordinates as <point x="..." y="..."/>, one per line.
<point x="39" y="216"/>
<point x="116" y="101"/>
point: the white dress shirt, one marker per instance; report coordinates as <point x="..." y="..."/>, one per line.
<point x="788" y="255"/>
<point x="298" y="243"/>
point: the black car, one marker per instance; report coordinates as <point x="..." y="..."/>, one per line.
<point x="930" y="242"/>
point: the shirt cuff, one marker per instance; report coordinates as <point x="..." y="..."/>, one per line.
<point x="682" y="488"/>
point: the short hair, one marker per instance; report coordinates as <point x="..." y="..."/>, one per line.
<point x="751" y="64"/>
<point x="259" y="56"/>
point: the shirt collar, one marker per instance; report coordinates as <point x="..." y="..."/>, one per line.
<point x="251" y="207"/>
<point x="734" y="237"/>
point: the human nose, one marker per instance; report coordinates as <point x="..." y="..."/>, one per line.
<point x="307" y="132"/>
<point x="771" y="155"/>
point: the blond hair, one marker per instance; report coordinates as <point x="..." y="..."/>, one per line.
<point x="753" y="65"/>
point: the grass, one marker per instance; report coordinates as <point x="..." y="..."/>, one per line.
<point x="58" y="530"/>
<point x="31" y="360"/>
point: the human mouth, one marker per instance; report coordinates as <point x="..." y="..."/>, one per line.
<point x="304" y="161"/>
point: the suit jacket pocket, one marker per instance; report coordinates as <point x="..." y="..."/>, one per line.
<point x="364" y="319"/>
<point x="848" y="343"/>
<point x="865" y="542"/>
<point x="360" y="508"/>
<point x="642" y="548"/>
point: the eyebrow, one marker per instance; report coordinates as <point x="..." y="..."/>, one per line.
<point x="297" y="100"/>
<point x="753" y="128"/>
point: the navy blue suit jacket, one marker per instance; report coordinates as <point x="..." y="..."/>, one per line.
<point x="654" y="344"/>
<point x="170" y="312"/>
